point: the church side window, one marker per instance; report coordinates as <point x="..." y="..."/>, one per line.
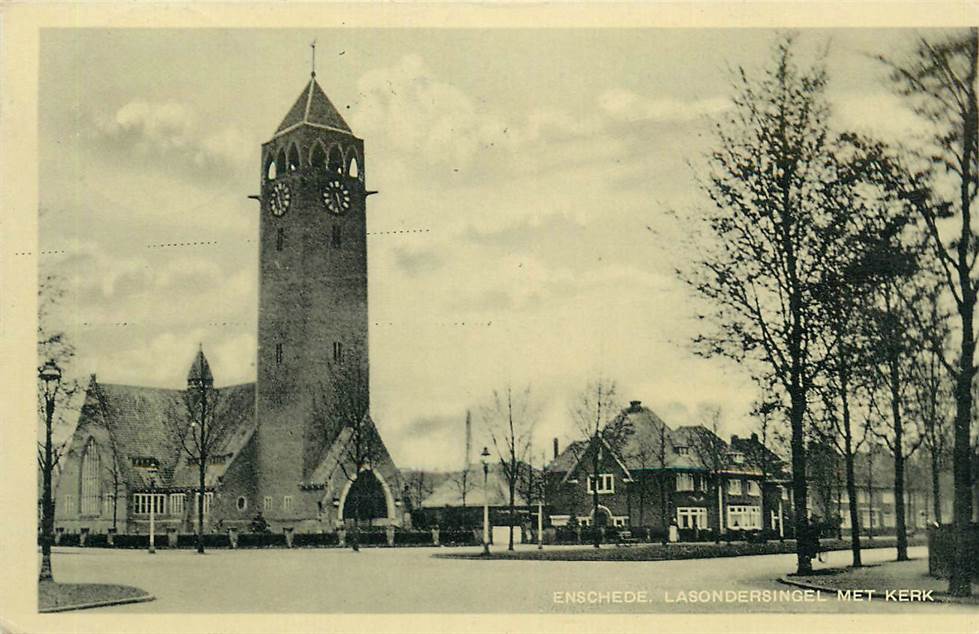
<point x="91" y="480"/>
<point x="267" y="503"/>
<point x="287" y="503"/>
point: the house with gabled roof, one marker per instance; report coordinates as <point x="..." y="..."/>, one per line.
<point x="655" y="476"/>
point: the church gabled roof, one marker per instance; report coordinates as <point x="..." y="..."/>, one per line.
<point x="143" y="423"/>
<point x="314" y="108"/>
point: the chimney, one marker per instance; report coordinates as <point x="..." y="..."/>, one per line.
<point x="555" y="448"/>
<point x="734" y="438"/>
<point x="635" y="406"/>
<point x="754" y="437"/>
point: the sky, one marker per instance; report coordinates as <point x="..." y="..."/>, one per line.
<point x="540" y="173"/>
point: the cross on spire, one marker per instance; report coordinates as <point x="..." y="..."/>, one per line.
<point x="312" y="45"/>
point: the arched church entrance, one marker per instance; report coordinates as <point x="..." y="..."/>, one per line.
<point x="365" y="502"/>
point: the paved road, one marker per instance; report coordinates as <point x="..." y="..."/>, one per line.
<point x="378" y="580"/>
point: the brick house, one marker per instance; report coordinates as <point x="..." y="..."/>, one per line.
<point x="660" y="475"/>
<point x="286" y="453"/>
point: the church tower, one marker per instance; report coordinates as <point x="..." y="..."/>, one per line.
<point x="312" y="295"/>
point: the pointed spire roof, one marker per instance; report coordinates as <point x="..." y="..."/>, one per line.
<point x="200" y="370"/>
<point x="313" y="108"/>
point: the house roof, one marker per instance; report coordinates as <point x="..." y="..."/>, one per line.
<point x="313" y="107"/>
<point x="449" y="492"/>
<point x="649" y="444"/>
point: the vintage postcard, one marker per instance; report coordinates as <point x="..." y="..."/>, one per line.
<point x="382" y="317"/>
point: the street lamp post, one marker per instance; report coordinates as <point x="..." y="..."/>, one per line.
<point x="50" y="376"/>
<point x="484" y="456"/>
<point x="540" y="509"/>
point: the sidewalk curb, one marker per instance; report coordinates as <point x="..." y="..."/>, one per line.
<point x="941" y="598"/>
<point x="98" y="604"/>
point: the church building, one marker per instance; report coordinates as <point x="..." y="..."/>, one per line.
<point x="298" y="446"/>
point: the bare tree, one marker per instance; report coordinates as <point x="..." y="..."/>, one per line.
<point x="199" y="432"/>
<point x="711" y="452"/>
<point x="341" y="411"/>
<point x="102" y="412"/>
<point x="510" y="419"/>
<point x="938" y="81"/>
<point x="595" y="414"/>
<point x="768" y="235"/>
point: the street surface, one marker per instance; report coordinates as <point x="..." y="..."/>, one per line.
<point x="380" y="580"/>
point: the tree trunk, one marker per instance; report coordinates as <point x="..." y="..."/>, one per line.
<point x="513" y="485"/>
<point x="936" y="487"/>
<point x="200" y="509"/>
<point x="596" y="538"/>
<point x="900" y="523"/>
<point x="960" y="582"/>
<point x="851" y="480"/>
<point x="799" y="493"/>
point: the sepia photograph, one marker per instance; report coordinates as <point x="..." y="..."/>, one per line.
<point x="551" y="321"/>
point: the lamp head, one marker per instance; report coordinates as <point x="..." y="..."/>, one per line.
<point x="50" y="375"/>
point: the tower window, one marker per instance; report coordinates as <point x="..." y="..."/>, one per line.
<point x="278" y="354"/>
<point x="293" y="158"/>
<point x="335" y="237"/>
<point x="353" y="171"/>
<point x="337" y="351"/>
<point x="335" y="160"/>
<point x="280" y="238"/>
<point x="271" y="172"/>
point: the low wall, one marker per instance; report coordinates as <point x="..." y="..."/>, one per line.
<point x="940" y="550"/>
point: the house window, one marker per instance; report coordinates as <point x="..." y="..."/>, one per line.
<point x="337" y="352"/>
<point x="753" y="488"/>
<point x="287" y="503"/>
<point x="618" y="521"/>
<point x="278" y="353"/>
<point x="744" y="518"/>
<point x="91" y="479"/>
<point x="684" y="482"/>
<point x="784" y="492"/>
<point x="682" y="450"/>
<point x="241" y="503"/>
<point x="177" y="503"/>
<point x="267" y="503"/>
<point x="107" y="504"/>
<point x="691" y="517"/>
<point x="734" y="487"/>
<point x="207" y="501"/>
<point x="280" y="238"/>
<point x="335" y="237"/>
<point x="69" y="505"/>
<point x="606" y="483"/>
<point x="887" y="497"/>
<point x="143" y="503"/>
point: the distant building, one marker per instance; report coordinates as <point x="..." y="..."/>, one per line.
<point x="446" y="508"/>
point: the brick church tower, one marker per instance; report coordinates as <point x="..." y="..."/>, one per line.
<point x="312" y="295"/>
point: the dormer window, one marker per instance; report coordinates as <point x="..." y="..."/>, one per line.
<point x="737" y="457"/>
<point x="682" y="450"/>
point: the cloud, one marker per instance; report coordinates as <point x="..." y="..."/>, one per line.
<point x="625" y="105"/>
<point x="173" y="131"/>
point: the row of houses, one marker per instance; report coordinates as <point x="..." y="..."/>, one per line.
<point x="656" y="476"/>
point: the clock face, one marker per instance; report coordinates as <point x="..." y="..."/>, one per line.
<point x="336" y="196"/>
<point x="279" y="201"/>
